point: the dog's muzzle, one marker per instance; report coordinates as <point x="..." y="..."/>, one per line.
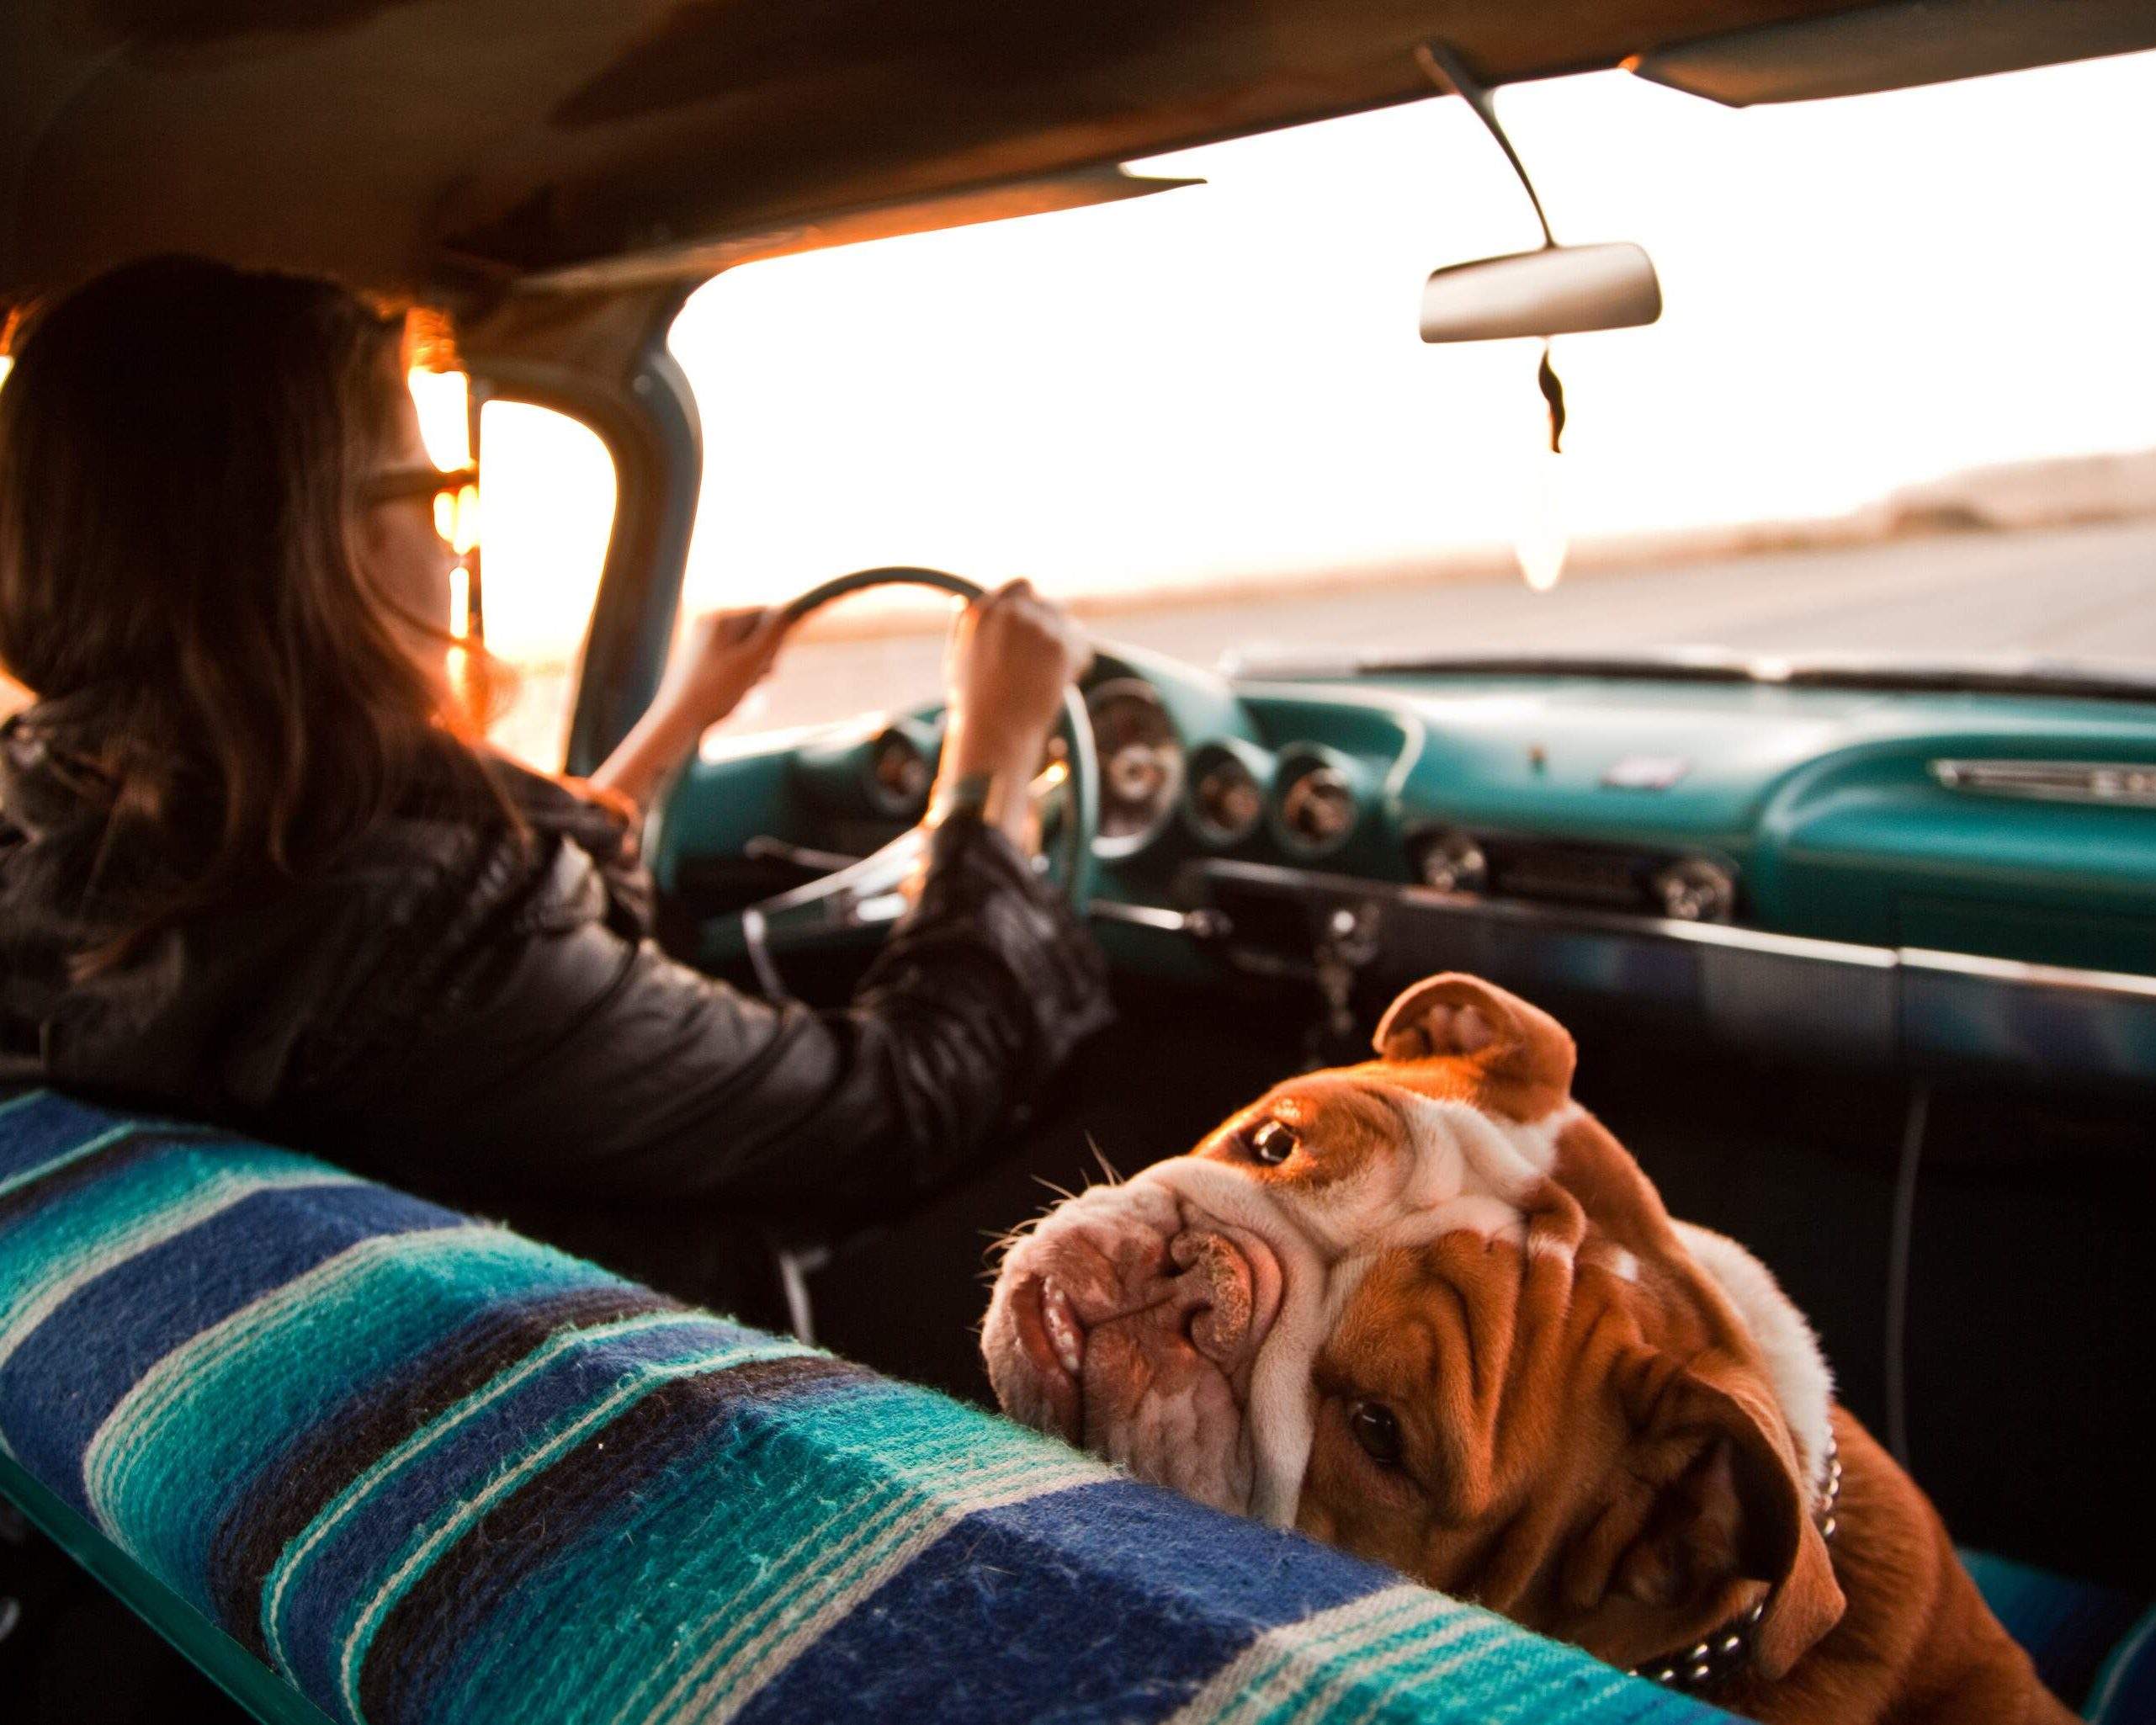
<point x="1139" y="1321"/>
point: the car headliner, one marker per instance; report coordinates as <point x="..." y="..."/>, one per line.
<point x="423" y="145"/>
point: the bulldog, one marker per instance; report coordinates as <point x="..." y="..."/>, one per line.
<point x="1428" y="1309"/>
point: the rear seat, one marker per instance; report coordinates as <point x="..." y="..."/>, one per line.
<point x="365" y="1458"/>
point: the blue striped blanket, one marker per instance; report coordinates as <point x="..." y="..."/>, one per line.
<point x="425" y="1469"/>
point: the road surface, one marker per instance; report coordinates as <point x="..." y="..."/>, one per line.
<point x="2086" y="594"/>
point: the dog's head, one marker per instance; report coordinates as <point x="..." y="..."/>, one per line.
<point x="1428" y="1308"/>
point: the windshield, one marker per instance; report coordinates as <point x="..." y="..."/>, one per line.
<point x="1899" y="401"/>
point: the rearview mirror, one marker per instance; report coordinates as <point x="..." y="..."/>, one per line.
<point x="1558" y="290"/>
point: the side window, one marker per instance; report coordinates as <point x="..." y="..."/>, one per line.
<point x="549" y="508"/>
<point x="545" y="511"/>
<point x="548" y="491"/>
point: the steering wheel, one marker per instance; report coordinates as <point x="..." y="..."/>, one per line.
<point x="870" y="893"/>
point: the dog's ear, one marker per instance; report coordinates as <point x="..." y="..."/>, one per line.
<point x="1453" y="1016"/>
<point x="1711" y="1499"/>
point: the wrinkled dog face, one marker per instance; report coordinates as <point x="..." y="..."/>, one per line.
<point x="1428" y="1309"/>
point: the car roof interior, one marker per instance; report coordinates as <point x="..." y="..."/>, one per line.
<point x="451" y="148"/>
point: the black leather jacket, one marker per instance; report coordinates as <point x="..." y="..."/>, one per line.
<point x="488" y="1021"/>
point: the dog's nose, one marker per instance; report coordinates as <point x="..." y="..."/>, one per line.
<point x="1213" y="1292"/>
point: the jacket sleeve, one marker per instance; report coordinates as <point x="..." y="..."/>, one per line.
<point x="549" y="1049"/>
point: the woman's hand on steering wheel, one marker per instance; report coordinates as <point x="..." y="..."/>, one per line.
<point x="723" y="654"/>
<point x="1012" y="655"/>
<point x="1013" y="663"/>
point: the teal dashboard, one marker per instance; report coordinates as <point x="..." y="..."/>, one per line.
<point x="1878" y="865"/>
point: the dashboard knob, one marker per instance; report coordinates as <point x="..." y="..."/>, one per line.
<point x="1696" y="890"/>
<point x="1451" y="861"/>
<point x="900" y="770"/>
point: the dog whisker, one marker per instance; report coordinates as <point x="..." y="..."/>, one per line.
<point x="1114" y="1174"/>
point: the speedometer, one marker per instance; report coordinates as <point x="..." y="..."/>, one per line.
<point x="1141" y="763"/>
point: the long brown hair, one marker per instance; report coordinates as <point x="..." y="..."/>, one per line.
<point x="183" y="449"/>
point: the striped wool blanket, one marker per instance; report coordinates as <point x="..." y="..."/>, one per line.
<point x="425" y="1469"/>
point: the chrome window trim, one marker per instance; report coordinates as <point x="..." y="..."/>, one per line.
<point x="2123" y="785"/>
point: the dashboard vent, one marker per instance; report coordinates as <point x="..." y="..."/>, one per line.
<point x="1575" y="874"/>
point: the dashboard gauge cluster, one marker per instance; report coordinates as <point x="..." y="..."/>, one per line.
<point x="1318" y="801"/>
<point x="1629" y="833"/>
<point x="1227" y="791"/>
<point x="1141" y="763"/>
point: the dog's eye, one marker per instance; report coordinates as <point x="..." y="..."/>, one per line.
<point x="1273" y="1142"/>
<point x="1376" y="1431"/>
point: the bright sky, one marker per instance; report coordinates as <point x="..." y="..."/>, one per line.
<point x="1227" y="380"/>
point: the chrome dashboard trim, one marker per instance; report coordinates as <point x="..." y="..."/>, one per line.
<point x="1720" y="935"/>
<point x="1838" y="999"/>
<point x="2002" y="674"/>
<point x="2022" y="975"/>
<point x="1201" y="925"/>
<point x="2125" y="784"/>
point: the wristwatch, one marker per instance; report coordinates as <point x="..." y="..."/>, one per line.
<point x="967" y="794"/>
<point x="985" y="796"/>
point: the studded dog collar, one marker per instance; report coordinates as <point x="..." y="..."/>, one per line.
<point x="1706" y="1665"/>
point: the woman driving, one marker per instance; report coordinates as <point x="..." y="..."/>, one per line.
<point x="257" y="865"/>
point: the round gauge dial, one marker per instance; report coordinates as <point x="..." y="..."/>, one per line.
<point x="1696" y="890"/>
<point x="1227" y="801"/>
<point x="901" y="770"/>
<point x="1452" y="860"/>
<point x="1141" y="763"/>
<point x="1317" y="807"/>
<point x="899" y="767"/>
